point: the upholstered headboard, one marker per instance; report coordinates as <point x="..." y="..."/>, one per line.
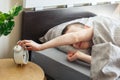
<point x="36" y="23"/>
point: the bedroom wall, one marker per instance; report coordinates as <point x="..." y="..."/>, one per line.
<point x="105" y="10"/>
<point x="7" y="42"/>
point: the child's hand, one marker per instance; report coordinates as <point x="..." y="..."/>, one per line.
<point x="72" y="56"/>
<point x="29" y="45"/>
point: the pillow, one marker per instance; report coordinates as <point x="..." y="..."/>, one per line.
<point x="57" y="31"/>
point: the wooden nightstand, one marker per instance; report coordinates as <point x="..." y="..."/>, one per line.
<point x="10" y="71"/>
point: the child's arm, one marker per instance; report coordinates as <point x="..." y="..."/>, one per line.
<point x="66" y="39"/>
<point x="72" y="56"/>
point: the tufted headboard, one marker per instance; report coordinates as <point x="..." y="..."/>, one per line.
<point x="36" y="23"/>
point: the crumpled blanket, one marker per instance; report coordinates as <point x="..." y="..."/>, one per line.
<point x="106" y="49"/>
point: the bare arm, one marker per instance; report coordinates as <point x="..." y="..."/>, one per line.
<point x="66" y="39"/>
<point x="69" y="38"/>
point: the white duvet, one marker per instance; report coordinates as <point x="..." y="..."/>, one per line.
<point x="106" y="49"/>
<point x="105" y="63"/>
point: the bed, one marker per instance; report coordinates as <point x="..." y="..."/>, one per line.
<point x="35" y="24"/>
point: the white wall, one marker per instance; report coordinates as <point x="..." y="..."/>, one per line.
<point x="42" y="3"/>
<point x="7" y="42"/>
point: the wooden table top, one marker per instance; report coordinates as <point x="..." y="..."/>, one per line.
<point x="10" y="71"/>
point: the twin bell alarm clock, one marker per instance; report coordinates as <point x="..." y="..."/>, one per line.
<point x="21" y="56"/>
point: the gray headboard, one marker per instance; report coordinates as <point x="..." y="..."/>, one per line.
<point x="36" y="23"/>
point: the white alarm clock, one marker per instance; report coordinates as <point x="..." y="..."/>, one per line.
<point x="21" y="56"/>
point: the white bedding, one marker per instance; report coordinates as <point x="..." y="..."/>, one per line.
<point x="106" y="49"/>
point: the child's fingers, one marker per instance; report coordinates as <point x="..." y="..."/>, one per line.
<point x="19" y="43"/>
<point x="22" y="42"/>
<point x="70" y="58"/>
<point x="28" y="44"/>
<point x="70" y="53"/>
<point x="29" y="48"/>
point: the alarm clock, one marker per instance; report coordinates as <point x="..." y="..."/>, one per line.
<point x="21" y="56"/>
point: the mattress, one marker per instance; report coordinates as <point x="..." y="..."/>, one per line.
<point x="55" y="64"/>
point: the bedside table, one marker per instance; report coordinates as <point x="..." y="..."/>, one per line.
<point x="10" y="71"/>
